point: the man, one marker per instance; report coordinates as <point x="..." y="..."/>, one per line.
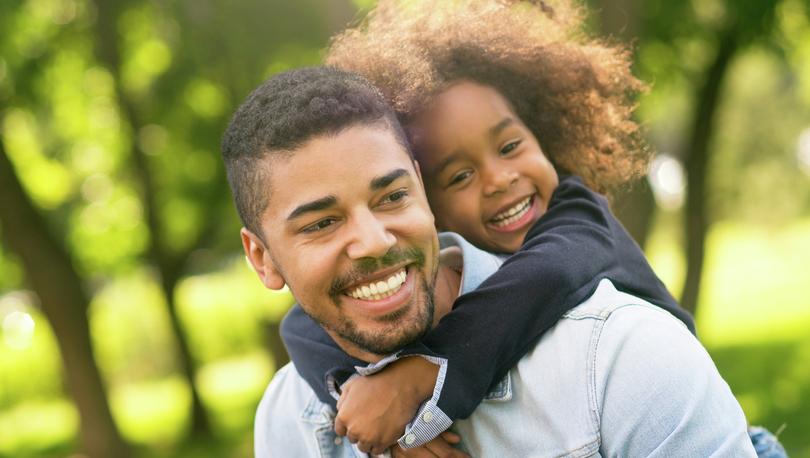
<point x="332" y="201"/>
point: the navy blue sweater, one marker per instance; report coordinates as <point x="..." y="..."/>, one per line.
<point x="573" y="246"/>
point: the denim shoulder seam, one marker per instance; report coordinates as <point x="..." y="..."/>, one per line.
<point x="605" y="313"/>
<point x="593" y="347"/>
<point x="584" y="451"/>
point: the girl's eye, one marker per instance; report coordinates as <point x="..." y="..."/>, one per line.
<point x="509" y="147"/>
<point x="459" y="177"/>
<point x="319" y="226"/>
<point x="395" y="196"/>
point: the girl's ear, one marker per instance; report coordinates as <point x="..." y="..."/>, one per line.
<point x="259" y="257"/>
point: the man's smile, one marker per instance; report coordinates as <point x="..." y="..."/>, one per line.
<point x="384" y="294"/>
<point x="379" y="289"/>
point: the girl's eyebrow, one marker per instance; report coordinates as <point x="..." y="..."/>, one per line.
<point x="500" y="126"/>
<point x="453" y="157"/>
<point x="494" y="131"/>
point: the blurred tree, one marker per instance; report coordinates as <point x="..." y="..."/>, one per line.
<point x="721" y="29"/>
<point x="169" y="261"/>
<point x="50" y="273"/>
<point x="209" y="94"/>
<point x="727" y="27"/>
<point x="143" y="129"/>
<point x="634" y="206"/>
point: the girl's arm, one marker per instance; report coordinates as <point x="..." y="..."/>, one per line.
<point x="564" y="256"/>
<point x="316" y="357"/>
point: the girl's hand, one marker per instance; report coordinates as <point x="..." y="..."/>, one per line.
<point x="374" y="410"/>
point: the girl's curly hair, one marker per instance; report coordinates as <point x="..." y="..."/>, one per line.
<point x="574" y="92"/>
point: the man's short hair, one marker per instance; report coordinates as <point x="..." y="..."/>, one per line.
<point x="283" y="114"/>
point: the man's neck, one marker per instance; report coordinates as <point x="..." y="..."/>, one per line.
<point x="447" y="289"/>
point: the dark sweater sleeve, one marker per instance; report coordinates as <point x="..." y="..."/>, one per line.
<point x="497" y="323"/>
<point x="315" y="354"/>
<point x="492" y="327"/>
<point x="565" y="253"/>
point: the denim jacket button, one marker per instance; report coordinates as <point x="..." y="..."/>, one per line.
<point x="338" y="440"/>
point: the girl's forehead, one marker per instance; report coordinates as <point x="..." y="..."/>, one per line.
<point x="463" y="111"/>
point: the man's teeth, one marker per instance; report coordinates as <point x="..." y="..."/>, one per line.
<point x="380" y="289"/>
<point x="513" y="214"/>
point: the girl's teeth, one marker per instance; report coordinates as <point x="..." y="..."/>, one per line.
<point x="381" y="289"/>
<point x="513" y="214"/>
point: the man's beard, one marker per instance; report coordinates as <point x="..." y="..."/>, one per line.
<point x="407" y="324"/>
<point x="404" y="328"/>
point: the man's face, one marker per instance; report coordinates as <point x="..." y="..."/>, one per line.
<point x="348" y="229"/>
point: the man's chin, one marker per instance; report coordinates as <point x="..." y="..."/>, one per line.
<point x="387" y="334"/>
<point x="387" y="339"/>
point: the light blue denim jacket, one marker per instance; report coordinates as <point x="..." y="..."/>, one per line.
<point x="616" y="376"/>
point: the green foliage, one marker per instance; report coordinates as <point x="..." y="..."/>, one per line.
<point x="772" y="383"/>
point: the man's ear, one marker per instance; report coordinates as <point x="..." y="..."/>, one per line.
<point x="259" y="257"/>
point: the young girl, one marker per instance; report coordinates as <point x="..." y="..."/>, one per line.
<point x="497" y="99"/>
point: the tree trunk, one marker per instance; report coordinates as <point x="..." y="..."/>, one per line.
<point x="635" y="207"/>
<point x="50" y="273"/>
<point x="168" y="264"/>
<point x="697" y="159"/>
<point x="200" y="425"/>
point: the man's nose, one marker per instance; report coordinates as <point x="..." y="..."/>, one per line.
<point x="371" y="238"/>
<point x="499" y="180"/>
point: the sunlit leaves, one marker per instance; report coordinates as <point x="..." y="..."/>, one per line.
<point x="793" y="18"/>
<point x="36" y="367"/>
<point x="205" y="98"/>
<point x="149" y="60"/>
<point x="131" y="329"/>
<point x="225" y="310"/>
<point x="47" y="181"/>
<point x="11" y="274"/>
<point x="146" y="54"/>
<point x="108" y="233"/>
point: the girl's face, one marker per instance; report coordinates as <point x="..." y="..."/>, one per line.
<point x="485" y="175"/>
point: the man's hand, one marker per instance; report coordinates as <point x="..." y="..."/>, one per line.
<point x="373" y="411"/>
<point x="441" y="446"/>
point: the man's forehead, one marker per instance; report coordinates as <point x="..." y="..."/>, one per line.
<point x="356" y="161"/>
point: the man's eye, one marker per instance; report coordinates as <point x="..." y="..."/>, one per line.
<point x="395" y="196"/>
<point x="459" y="177"/>
<point x="319" y="226"/>
<point x="509" y="147"/>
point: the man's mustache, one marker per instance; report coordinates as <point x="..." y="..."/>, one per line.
<point x="366" y="266"/>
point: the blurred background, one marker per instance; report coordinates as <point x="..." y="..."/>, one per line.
<point x="130" y="322"/>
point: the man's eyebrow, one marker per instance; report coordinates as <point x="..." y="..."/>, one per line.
<point x="498" y="128"/>
<point x="313" y="206"/>
<point x="383" y="181"/>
